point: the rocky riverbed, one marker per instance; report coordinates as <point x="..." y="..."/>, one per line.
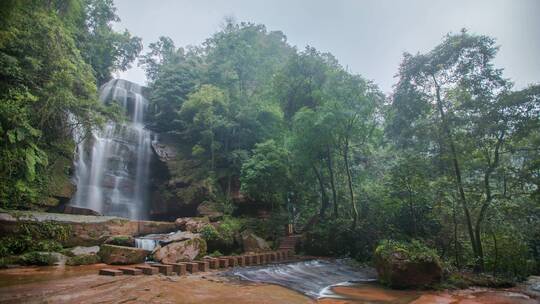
<point x="81" y="284"/>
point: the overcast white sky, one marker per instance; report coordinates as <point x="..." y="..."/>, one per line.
<point x="368" y="37"/>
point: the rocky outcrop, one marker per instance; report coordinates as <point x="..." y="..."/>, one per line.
<point x="178" y="237"/>
<point x="121" y="255"/>
<point x="68" y="209"/>
<point x="209" y="210"/>
<point x="186" y="250"/>
<point x="191" y="224"/>
<point x="83" y="230"/>
<point x="253" y="243"/>
<point x="403" y="265"/>
<point x="180" y="181"/>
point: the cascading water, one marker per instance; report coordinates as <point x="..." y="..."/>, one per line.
<point x="112" y="166"/>
<point x="312" y="278"/>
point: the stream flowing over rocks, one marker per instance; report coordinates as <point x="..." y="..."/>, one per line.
<point x="312" y="278"/>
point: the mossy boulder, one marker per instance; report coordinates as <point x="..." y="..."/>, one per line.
<point x="121" y="240"/>
<point x="82" y="255"/>
<point x="38" y="258"/>
<point x="83" y="259"/>
<point x="121" y="255"/>
<point x="407" y="265"/>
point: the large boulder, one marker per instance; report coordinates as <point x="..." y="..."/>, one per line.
<point x="407" y="265"/>
<point x="191" y="224"/>
<point x="82" y="255"/>
<point x="121" y="255"/>
<point x="83" y="230"/>
<point x="178" y="237"/>
<point x="185" y="250"/>
<point x="253" y="243"/>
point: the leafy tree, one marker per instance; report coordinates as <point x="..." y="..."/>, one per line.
<point x="103" y="48"/>
<point x="452" y="101"/>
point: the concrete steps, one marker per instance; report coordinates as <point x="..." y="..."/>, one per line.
<point x="205" y="265"/>
<point x="289" y="242"/>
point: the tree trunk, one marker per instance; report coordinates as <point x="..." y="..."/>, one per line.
<point x="413" y="213"/>
<point x="456" y="243"/>
<point x="496" y="249"/>
<point x="332" y="183"/>
<point x="489" y="198"/>
<point x="349" y="182"/>
<point x="324" y="197"/>
<point x="457" y="174"/>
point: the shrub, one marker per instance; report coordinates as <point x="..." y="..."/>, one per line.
<point x="38" y="258"/>
<point x="210" y="233"/>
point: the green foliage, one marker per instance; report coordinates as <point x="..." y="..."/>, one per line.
<point x="44" y="236"/>
<point x="216" y="254"/>
<point x="223" y="238"/>
<point x="38" y="259"/>
<point x="265" y="175"/>
<point x="209" y="233"/>
<point x="413" y="251"/>
<point x="48" y="54"/>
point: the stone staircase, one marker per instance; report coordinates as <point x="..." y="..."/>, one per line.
<point x="204" y="265"/>
<point x="289" y="242"/>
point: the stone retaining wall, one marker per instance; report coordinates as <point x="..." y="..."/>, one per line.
<point x="85" y="230"/>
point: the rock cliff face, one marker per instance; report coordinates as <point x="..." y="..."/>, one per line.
<point x="84" y="230"/>
<point x="180" y="184"/>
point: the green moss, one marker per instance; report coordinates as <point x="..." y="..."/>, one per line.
<point x="121" y="240"/>
<point x="83" y="259"/>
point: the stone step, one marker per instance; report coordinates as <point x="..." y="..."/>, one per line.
<point x="192" y="267"/>
<point x="240" y="260"/>
<point x="223" y="263"/>
<point x="110" y="272"/>
<point x="164" y="269"/>
<point x="130" y="271"/>
<point x="148" y="270"/>
<point x="232" y="261"/>
<point x="214" y="263"/>
<point x="204" y="266"/>
<point x="178" y="268"/>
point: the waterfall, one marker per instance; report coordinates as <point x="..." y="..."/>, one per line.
<point x="112" y="166"/>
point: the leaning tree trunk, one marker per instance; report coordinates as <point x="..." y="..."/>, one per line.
<point x="457" y="174"/>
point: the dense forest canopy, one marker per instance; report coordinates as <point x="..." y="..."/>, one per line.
<point x="451" y="157"/>
<point x="54" y="55"/>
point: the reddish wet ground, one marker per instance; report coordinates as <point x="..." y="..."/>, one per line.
<point x="372" y="293"/>
<point x="81" y="284"/>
